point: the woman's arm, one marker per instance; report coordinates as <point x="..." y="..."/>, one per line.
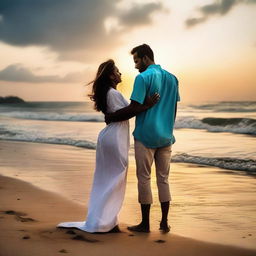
<point x="133" y="109"/>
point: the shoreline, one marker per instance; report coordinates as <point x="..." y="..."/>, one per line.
<point x="29" y="217"/>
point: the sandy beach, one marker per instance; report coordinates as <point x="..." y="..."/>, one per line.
<point x="42" y="185"/>
<point x="80" y="78"/>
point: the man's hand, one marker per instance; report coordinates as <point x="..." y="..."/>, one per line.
<point x="150" y="101"/>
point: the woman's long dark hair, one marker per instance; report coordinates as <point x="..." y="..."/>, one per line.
<point x="101" y="84"/>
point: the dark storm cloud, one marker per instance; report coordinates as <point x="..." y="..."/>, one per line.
<point x="75" y="29"/>
<point x="17" y="73"/>
<point x="139" y="14"/>
<point x="216" y="8"/>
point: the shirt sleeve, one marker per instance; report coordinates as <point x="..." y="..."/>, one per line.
<point x="139" y="90"/>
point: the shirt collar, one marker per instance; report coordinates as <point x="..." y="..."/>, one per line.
<point x="154" y="66"/>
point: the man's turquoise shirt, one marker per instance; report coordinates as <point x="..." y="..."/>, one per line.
<point x="154" y="127"/>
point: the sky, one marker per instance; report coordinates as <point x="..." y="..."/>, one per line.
<point x="50" y="50"/>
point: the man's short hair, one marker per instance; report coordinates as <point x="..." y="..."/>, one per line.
<point x="143" y="50"/>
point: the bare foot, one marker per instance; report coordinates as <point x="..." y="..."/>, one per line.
<point x="164" y="227"/>
<point x="139" y="228"/>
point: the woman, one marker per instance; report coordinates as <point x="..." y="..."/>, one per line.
<point x="109" y="182"/>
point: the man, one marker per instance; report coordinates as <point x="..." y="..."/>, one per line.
<point x="153" y="132"/>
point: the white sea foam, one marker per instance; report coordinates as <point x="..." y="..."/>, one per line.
<point x="248" y="165"/>
<point x="233" y="125"/>
<point x="17" y="134"/>
<point x="20" y="133"/>
<point x="51" y="116"/>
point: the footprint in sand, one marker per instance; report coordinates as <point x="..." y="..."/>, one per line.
<point x="63" y="251"/>
<point x="22" y="219"/>
<point x="18" y="216"/>
<point x="82" y="238"/>
<point x="11" y="212"/>
<point x="160" y="241"/>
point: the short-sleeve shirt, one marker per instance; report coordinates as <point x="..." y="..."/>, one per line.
<point x="154" y="127"/>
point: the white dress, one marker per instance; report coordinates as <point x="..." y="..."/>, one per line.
<point x="109" y="182"/>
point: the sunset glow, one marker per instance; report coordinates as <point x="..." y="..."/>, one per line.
<point x="209" y="45"/>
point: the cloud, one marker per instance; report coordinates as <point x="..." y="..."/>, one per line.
<point x="194" y="21"/>
<point x="17" y="73"/>
<point x="139" y="14"/>
<point x="216" y="8"/>
<point x="221" y="7"/>
<point x="74" y="29"/>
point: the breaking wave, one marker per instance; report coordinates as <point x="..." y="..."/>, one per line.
<point x="248" y="165"/>
<point x="211" y="124"/>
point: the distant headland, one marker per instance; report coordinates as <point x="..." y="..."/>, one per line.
<point x="11" y="99"/>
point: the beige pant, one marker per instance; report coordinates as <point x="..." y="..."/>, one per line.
<point x="144" y="159"/>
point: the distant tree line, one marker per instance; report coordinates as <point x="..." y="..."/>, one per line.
<point x="11" y="99"/>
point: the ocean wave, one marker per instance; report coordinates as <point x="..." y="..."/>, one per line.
<point x="51" y="116"/>
<point x="18" y="135"/>
<point x="227" y="106"/>
<point x="248" y="165"/>
<point x="39" y="105"/>
<point x="211" y="124"/>
<point x="233" y="125"/>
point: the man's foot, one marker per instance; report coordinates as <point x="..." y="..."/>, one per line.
<point x="139" y="228"/>
<point x="164" y="227"/>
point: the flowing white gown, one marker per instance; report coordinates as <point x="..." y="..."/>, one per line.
<point x="109" y="182"/>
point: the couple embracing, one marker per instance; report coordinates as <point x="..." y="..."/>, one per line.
<point x="154" y="103"/>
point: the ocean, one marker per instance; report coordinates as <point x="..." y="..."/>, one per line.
<point x="220" y="134"/>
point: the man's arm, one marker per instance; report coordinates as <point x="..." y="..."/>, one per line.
<point x="178" y="97"/>
<point x="133" y="109"/>
<point x="175" y="112"/>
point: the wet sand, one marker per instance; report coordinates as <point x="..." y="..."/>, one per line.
<point x="28" y="217"/>
<point x="205" y="202"/>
